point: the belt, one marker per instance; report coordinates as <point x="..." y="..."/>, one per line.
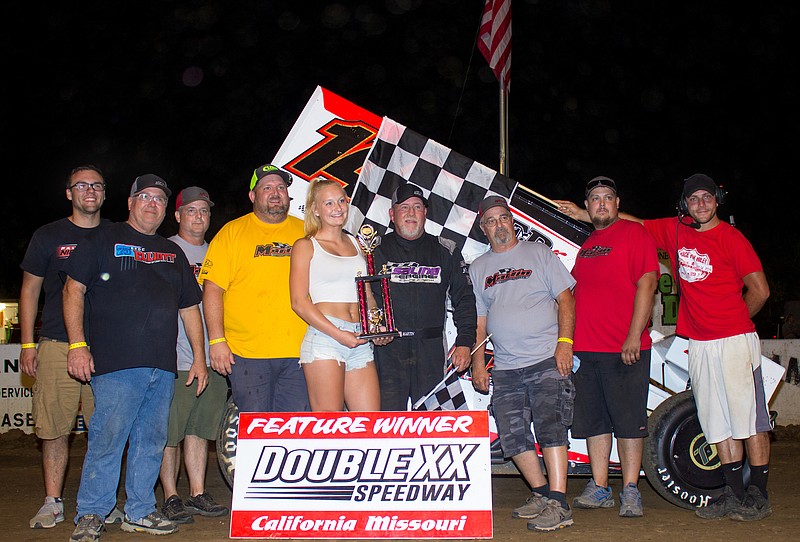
<point x="427" y="333"/>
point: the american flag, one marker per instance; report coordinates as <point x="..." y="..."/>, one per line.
<point x="494" y="39"/>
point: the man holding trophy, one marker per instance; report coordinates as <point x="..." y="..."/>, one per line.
<point x="423" y="270"/>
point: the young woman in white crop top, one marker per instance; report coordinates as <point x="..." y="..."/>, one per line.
<point x="338" y="365"/>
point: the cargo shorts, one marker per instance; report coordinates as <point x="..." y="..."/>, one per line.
<point x="538" y="395"/>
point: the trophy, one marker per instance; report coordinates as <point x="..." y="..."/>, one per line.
<point x="375" y="322"/>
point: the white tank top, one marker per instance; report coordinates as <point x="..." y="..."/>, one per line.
<point x="331" y="278"/>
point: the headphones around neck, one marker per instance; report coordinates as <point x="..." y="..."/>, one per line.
<point x="683" y="209"/>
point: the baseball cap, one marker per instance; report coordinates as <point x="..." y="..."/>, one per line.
<point x="408" y="190"/>
<point x="492" y="201"/>
<point x="698" y="181"/>
<point x="192" y="194"/>
<point x="148" y="180"/>
<point x="269" y="169"/>
<point x="600" y="181"/>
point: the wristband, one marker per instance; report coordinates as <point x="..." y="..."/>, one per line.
<point x="81" y="344"/>
<point x="566" y="340"/>
<point x="28" y="345"/>
<point x="215" y="341"/>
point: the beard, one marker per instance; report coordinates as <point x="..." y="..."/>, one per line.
<point x="410" y="231"/>
<point x="603" y="222"/>
<point x="502" y="235"/>
<point x="275" y="209"/>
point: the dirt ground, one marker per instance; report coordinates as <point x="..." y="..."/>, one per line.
<point x="21" y="495"/>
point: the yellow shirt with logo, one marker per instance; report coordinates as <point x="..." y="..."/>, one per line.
<point x="249" y="260"/>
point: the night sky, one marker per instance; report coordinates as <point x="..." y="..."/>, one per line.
<point x="203" y="92"/>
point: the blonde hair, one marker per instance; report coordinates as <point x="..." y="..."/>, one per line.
<point x="311" y="222"/>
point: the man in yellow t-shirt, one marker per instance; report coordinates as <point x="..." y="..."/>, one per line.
<point x="254" y="335"/>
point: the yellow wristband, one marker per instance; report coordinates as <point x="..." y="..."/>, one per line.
<point x="81" y="344"/>
<point x="215" y="341"/>
<point x="28" y="345"/>
<point x="566" y="340"/>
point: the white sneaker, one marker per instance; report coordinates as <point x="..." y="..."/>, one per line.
<point x="116" y="516"/>
<point x="51" y="512"/>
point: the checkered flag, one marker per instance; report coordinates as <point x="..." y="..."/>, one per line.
<point x="453" y="184"/>
<point x="447" y="395"/>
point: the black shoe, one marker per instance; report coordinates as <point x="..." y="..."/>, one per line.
<point x="725" y="505"/>
<point x="204" y="505"/>
<point x="755" y="506"/>
<point x="174" y="510"/>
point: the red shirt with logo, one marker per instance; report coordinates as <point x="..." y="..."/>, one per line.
<point x="607" y="269"/>
<point x="711" y="265"/>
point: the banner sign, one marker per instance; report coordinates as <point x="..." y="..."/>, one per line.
<point x="363" y="475"/>
<point x="15" y="392"/>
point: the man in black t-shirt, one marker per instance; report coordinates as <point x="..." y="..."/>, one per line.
<point x="57" y="398"/>
<point x="131" y="284"/>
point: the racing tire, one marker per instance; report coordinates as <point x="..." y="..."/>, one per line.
<point x="679" y="463"/>
<point x="227" y="438"/>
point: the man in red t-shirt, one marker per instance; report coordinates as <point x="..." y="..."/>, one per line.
<point x="715" y="264"/>
<point x="616" y="271"/>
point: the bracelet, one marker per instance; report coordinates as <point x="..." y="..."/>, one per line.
<point x="81" y="344"/>
<point x="28" y="345"/>
<point x="215" y="341"/>
<point x="566" y="340"/>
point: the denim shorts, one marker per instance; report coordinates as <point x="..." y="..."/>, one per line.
<point x="317" y="345"/>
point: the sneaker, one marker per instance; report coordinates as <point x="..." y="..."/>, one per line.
<point x="754" y="507"/>
<point x="174" y="510"/>
<point x="88" y="529"/>
<point x="153" y="523"/>
<point x="116" y="516"/>
<point x="594" y="496"/>
<point x="204" y="505"/>
<point x="532" y="507"/>
<point x="725" y="505"/>
<point x="630" y="502"/>
<point x="51" y="512"/>
<point x="553" y="517"/>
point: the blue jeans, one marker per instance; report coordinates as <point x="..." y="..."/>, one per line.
<point x="131" y="406"/>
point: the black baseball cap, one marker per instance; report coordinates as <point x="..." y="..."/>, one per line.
<point x="408" y="190"/>
<point x="148" y="180"/>
<point x="598" y="182"/>
<point x="699" y="181"/>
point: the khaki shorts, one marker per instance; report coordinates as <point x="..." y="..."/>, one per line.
<point x="728" y="388"/>
<point x="57" y="397"/>
<point x="199" y="416"/>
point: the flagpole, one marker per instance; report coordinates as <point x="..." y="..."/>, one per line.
<point x="494" y="41"/>
<point x="503" y="131"/>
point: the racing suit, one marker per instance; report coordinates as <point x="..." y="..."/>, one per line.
<point x="423" y="272"/>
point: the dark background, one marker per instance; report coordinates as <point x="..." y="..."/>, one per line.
<point x="203" y="92"/>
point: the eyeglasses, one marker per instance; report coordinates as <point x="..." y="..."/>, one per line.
<point x="83" y="187"/>
<point x="147" y="198"/>
<point x="505" y="218"/>
<point x="193" y="211"/>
